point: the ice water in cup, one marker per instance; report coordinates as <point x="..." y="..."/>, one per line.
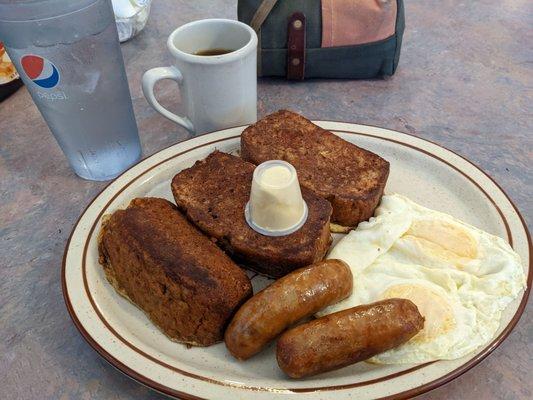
<point x="69" y="57"/>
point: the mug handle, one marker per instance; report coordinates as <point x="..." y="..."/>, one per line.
<point x="150" y="78"/>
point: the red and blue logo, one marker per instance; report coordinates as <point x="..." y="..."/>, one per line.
<point x="40" y="70"/>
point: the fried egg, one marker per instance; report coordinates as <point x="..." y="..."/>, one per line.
<point x="460" y="277"/>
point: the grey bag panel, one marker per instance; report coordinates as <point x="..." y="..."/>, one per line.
<point x="246" y="10"/>
<point x="362" y="61"/>
<point x="400" y="28"/>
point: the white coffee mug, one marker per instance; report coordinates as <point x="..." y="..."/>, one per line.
<point x="218" y="91"/>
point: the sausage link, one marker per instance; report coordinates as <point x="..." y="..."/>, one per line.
<point x="347" y="337"/>
<point x="295" y="296"/>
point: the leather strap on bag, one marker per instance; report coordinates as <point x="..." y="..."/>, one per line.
<point x="257" y="21"/>
<point x="261" y="14"/>
<point x="296" y="47"/>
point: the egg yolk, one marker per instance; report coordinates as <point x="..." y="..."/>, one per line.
<point x="433" y="250"/>
<point x="436" y="311"/>
<point x="447" y="235"/>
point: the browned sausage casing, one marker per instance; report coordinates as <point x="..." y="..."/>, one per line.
<point x="295" y="296"/>
<point x="347" y="337"/>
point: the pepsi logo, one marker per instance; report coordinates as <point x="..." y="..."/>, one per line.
<point x="40" y="70"/>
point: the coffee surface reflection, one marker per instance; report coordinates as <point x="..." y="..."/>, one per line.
<point x="213" y="52"/>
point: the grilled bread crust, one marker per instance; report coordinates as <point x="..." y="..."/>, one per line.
<point x="185" y="284"/>
<point x="352" y="179"/>
<point x="213" y="194"/>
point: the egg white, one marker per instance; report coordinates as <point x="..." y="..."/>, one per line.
<point x="460" y="276"/>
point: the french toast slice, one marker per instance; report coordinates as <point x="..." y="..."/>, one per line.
<point x="352" y="179"/>
<point x="153" y="256"/>
<point x="213" y="194"/>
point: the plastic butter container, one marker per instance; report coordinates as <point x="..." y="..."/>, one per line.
<point x="276" y="206"/>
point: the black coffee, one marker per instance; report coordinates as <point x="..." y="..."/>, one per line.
<point x="213" y="52"/>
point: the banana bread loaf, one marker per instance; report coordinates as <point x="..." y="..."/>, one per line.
<point x="213" y="194"/>
<point x="352" y="179"/>
<point x="184" y="283"/>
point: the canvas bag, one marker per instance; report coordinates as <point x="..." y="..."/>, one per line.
<point x="298" y="39"/>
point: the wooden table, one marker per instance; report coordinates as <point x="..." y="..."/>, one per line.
<point x="462" y="82"/>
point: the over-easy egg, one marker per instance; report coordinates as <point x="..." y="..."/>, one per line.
<point x="460" y="277"/>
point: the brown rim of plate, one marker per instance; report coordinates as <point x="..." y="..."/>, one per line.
<point x="403" y="395"/>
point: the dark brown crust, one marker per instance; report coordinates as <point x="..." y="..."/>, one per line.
<point x="186" y="285"/>
<point x="213" y="194"/>
<point x="297" y="295"/>
<point x="352" y="179"/>
<point x="347" y="337"/>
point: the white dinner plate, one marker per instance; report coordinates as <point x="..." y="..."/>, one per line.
<point x="122" y="334"/>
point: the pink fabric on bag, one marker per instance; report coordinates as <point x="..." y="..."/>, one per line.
<point x="350" y="22"/>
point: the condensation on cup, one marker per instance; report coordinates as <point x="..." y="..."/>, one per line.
<point x="68" y="55"/>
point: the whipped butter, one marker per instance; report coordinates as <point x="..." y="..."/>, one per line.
<point x="276" y="176"/>
<point x="276" y="206"/>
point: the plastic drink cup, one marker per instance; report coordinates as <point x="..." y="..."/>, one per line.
<point x="68" y="55"/>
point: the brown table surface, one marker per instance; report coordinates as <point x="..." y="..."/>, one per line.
<point x="462" y="82"/>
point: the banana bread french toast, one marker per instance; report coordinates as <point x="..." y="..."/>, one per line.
<point x="213" y="194"/>
<point x="184" y="283"/>
<point x="352" y="179"/>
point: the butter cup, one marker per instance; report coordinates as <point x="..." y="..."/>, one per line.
<point x="276" y="206"/>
